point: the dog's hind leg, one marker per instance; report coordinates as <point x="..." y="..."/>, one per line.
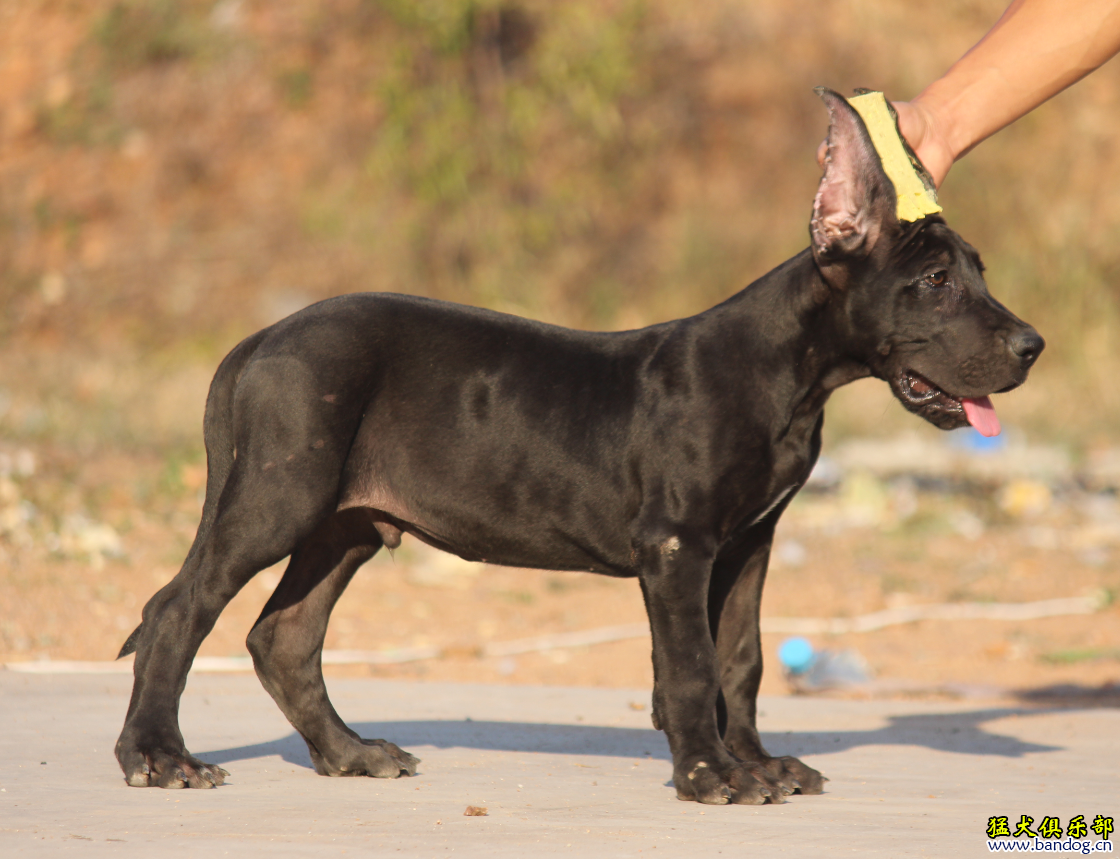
<point x="220" y="448"/>
<point x="734" y="599"/>
<point x="241" y="542"/>
<point x="282" y="483"/>
<point x="287" y="646"/>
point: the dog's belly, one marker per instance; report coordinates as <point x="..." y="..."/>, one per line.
<point x="511" y="488"/>
<point x="533" y="538"/>
<point x="543" y="553"/>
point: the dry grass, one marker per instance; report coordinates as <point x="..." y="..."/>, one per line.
<point x="173" y="176"/>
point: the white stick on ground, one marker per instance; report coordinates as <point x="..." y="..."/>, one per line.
<point x="603" y="635"/>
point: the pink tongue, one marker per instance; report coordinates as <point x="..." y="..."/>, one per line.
<point x="982" y="415"/>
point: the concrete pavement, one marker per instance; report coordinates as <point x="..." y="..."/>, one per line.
<point x="575" y="772"/>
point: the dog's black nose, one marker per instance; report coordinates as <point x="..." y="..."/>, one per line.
<point x="1027" y="344"/>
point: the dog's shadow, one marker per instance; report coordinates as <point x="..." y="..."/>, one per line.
<point x="962" y="733"/>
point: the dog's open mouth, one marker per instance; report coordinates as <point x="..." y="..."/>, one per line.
<point x="941" y="408"/>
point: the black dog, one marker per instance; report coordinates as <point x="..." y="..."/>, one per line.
<point x="666" y="454"/>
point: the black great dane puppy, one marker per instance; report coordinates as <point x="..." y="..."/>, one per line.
<point x="665" y="454"/>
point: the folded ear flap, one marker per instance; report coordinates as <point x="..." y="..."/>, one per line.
<point x="856" y="200"/>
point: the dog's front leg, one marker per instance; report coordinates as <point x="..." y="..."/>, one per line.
<point x="674" y="580"/>
<point x="734" y="599"/>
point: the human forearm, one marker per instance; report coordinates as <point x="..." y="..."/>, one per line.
<point x="1035" y="50"/>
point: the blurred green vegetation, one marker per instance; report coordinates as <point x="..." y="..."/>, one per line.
<point x="481" y="104"/>
<point x="177" y="174"/>
<point x="133" y="34"/>
<point x="1067" y="657"/>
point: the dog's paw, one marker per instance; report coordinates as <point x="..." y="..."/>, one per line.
<point x="791" y="774"/>
<point x="170" y="770"/>
<point x="784" y="776"/>
<point x="375" y="758"/>
<point x="734" y="783"/>
<point x="747" y="783"/>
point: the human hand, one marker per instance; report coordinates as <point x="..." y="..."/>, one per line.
<point x="926" y="137"/>
<point x="919" y="126"/>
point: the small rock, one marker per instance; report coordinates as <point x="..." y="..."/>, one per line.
<point x="967" y="524"/>
<point x="93" y="540"/>
<point x="791" y="553"/>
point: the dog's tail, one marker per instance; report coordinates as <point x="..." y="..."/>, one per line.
<point x="217" y="432"/>
<point x="129" y="645"/>
<point x="217" y="429"/>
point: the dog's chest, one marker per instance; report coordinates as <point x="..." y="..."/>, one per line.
<point x="787" y="467"/>
<point x="780" y="486"/>
<point x="772" y="505"/>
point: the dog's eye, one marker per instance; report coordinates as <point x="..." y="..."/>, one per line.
<point x="939" y="278"/>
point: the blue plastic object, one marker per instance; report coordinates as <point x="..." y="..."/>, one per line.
<point x="796" y="655"/>
<point x="970" y="440"/>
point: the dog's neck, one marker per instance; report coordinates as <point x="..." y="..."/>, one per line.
<point x="794" y="324"/>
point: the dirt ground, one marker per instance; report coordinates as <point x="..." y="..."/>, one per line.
<point x="85" y="541"/>
<point x="150" y="219"/>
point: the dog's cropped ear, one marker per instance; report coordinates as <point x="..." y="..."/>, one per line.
<point x="856" y="201"/>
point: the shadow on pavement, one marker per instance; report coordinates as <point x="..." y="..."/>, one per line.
<point x="962" y="733"/>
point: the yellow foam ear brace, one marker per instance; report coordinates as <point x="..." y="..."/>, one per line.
<point x="914" y="186"/>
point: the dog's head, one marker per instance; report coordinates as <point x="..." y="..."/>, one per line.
<point x="913" y="297"/>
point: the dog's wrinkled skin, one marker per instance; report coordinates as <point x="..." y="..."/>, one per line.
<point x="666" y="454"/>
